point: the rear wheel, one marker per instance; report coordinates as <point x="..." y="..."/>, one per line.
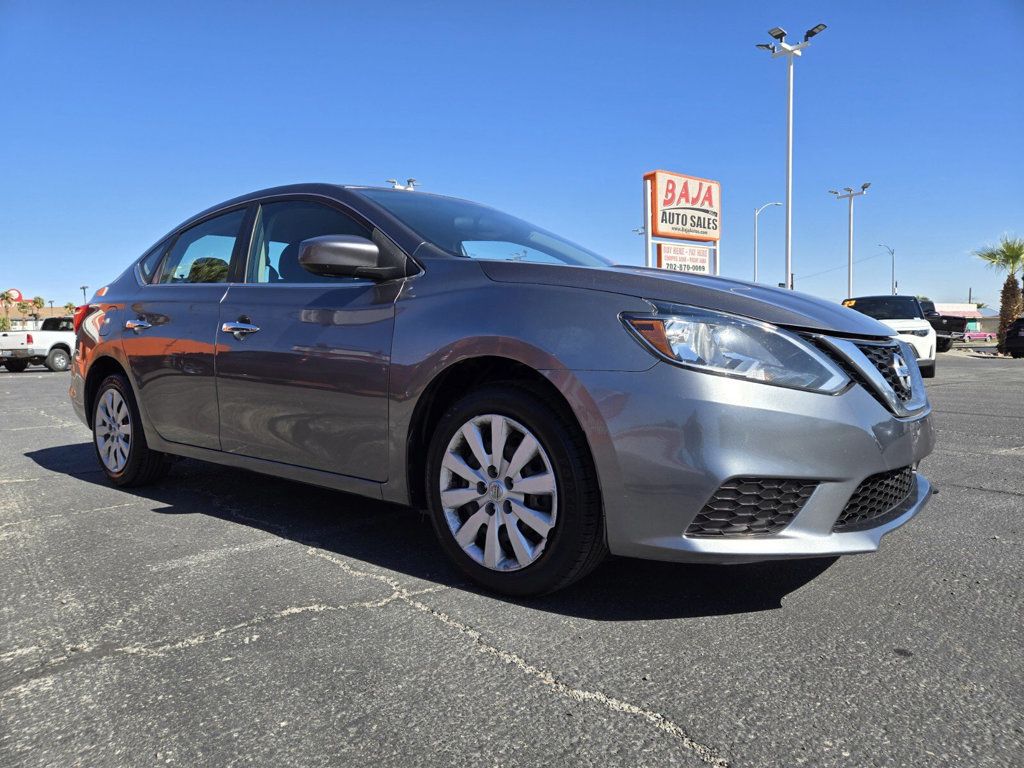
<point x="16" y="366"/>
<point x="119" y="438"/>
<point x="513" y="493"/>
<point x="58" y="360"/>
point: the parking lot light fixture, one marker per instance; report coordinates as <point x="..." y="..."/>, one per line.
<point x="817" y="29"/>
<point x="777" y="49"/>
<point x="848" y="196"/>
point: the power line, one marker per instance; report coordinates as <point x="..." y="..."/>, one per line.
<point x="833" y="269"/>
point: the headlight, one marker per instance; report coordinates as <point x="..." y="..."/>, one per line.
<point x="916" y="333"/>
<point x="728" y="345"/>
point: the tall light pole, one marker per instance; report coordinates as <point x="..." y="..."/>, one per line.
<point x="849" y="194"/>
<point x="892" y="255"/>
<point x="84" y="298"/>
<point x="756" y="214"/>
<point x="781" y="48"/>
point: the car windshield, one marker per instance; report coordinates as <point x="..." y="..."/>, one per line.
<point x="478" y="232"/>
<point x="887" y="307"/>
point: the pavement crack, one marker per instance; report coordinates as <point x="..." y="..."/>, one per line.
<point x="85" y="652"/>
<point x="548" y="679"/>
<point x="981" y="488"/>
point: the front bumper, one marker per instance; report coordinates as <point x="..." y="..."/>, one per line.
<point x="670" y="437"/>
<point x="924" y="346"/>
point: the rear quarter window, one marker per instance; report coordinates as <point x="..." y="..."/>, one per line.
<point x="150" y="262"/>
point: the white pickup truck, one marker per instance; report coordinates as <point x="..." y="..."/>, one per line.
<point x="51" y="346"/>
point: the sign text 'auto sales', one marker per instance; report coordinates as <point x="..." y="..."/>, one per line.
<point x="685" y="207"/>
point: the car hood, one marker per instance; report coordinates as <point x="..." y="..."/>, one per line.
<point x="906" y="324"/>
<point x="771" y="305"/>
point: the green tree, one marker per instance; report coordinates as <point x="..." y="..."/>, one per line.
<point x="1007" y="256"/>
<point x="70" y="307"/>
<point x="38" y="302"/>
<point x="7" y="301"/>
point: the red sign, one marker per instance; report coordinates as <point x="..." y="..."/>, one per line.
<point x="685" y="207"/>
<point x="15" y="294"/>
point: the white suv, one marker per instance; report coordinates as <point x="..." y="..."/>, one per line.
<point x="905" y="316"/>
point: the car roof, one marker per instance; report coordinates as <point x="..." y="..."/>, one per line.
<point x="885" y="296"/>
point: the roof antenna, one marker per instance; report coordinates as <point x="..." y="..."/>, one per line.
<point x="409" y="186"/>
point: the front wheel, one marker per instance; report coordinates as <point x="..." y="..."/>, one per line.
<point x="944" y="345"/>
<point x="513" y="493"/>
<point x="119" y="438"/>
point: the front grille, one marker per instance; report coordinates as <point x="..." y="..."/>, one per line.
<point x="878" y="498"/>
<point x="881" y="356"/>
<point x="751" y="506"/>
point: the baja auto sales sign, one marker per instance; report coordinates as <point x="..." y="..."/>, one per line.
<point x="685" y="207"/>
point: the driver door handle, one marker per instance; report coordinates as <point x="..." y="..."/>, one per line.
<point x="239" y="329"/>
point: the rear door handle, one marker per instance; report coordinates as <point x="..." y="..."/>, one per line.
<point x="137" y="325"/>
<point x="239" y="330"/>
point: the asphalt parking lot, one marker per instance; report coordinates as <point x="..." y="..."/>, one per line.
<point x="224" y="618"/>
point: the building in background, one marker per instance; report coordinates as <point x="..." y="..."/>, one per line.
<point x="976" y="321"/>
<point x="20" y="322"/>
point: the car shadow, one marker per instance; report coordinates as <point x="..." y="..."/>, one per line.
<point x="401" y="539"/>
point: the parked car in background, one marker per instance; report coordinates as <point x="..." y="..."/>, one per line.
<point x="1015" y="338"/>
<point x="51" y="346"/>
<point x="543" y="406"/>
<point x="979" y="336"/>
<point x="904" y="315"/>
<point x="948" y="328"/>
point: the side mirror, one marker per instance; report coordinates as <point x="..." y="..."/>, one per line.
<point x="346" y="256"/>
<point x="933" y="313"/>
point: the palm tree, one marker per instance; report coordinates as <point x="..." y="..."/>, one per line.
<point x="70" y="307"/>
<point x="1007" y="255"/>
<point x="7" y="300"/>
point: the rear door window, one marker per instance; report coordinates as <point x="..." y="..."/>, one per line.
<point x="202" y="254"/>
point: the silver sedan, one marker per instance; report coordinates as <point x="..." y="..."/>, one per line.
<point x="542" y="406"/>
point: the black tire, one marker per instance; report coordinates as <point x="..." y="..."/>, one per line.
<point x="576" y="544"/>
<point x="928" y="372"/>
<point x="1017" y="354"/>
<point x="58" y="360"/>
<point x="15" y="366"/>
<point x="944" y="345"/>
<point x="144" y="465"/>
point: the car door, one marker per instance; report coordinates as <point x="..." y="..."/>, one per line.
<point x="305" y="380"/>
<point x="170" y="330"/>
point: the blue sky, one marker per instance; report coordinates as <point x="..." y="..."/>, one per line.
<point x="123" y="119"/>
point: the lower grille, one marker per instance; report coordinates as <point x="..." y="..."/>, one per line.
<point x="877" y="498"/>
<point x="751" y="506"/>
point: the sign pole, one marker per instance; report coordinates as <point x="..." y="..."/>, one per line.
<point x="648" y="237"/>
<point x="718" y="257"/>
